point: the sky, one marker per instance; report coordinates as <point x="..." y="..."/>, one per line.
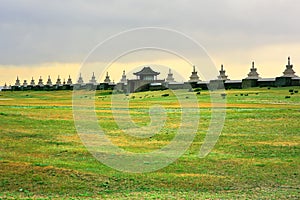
<point x="43" y="37"/>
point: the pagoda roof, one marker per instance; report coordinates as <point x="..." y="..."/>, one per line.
<point x="146" y="71"/>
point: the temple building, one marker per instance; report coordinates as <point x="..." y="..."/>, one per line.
<point x="69" y="82"/>
<point x="289" y="77"/>
<point x="252" y="79"/>
<point x="25" y="83"/>
<point x="40" y="83"/>
<point x="147" y="79"/>
<point x="253" y="73"/>
<point x="123" y="79"/>
<point x="222" y="75"/>
<point x="107" y="78"/>
<point x="58" y="81"/>
<point x="289" y="72"/>
<point x="222" y="78"/>
<point x="18" y="82"/>
<point x="144" y="78"/>
<point x="170" y="77"/>
<point x="194" y="77"/>
<point x="5" y="87"/>
<point x="93" y="80"/>
<point x="32" y="83"/>
<point x="49" y="82"/>
<point x="146" y="74"/>
<point x="80" y="80"/>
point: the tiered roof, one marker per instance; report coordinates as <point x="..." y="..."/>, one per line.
<point x="253" y="73"/>
<point x="222" y="75"/>
<point x="146" y="71"/>
<point x="194" y="77"/>
<point x="289" y="72"/>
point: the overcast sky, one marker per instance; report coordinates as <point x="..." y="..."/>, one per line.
<point x="37" y="33"/>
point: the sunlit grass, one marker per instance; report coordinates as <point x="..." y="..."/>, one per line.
<point x="257" y="154"/>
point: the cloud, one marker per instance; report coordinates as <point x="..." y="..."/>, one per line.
<point x="34" y="31"/>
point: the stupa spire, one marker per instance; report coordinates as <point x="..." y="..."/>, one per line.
<point x="170" y="77"/>
<point x="49" y="82"/>
<point x="25" y="83"/>
<point x="253" y="72"/>
<point x="222" y="75"/>
<point x="289" y="72"/>
<point x="32" y="81"/>
<point x="123" y="79"/>
<point x="107" y="78"/>
<point x="69" y="82"/>
<point x="80" y="80"/>
<point x="40" y="83"/>
<point x="17" y="81"/>
<point x="93" y="80"/>
<point x="58" y="81"/>
<point x="194" y="77"/>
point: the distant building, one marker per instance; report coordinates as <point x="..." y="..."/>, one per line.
<point x="123" y="79"/>
<point x="25" y="83"/>
<point x="289" y="72"/>
<point x="40" y="83"/>
<point x="17" y="82"/>
<point x="80" y="80"/>
<point x="49" y="82"/>
<point x="107" y="78"/>
<point x="32" y="82"/>
<point x="194" y="77"/>
<point x="69" y="82"/>
<point x="143" y="80"/>
<point x="253" y="73"/>
<point x="146" y="79"/>
<point x="222" y="75"/>
<point x="252" y="78"/>
<point x="5" y="87"/>
<point x="93" y="79"/>
<point x="58" y="81"/>
<point x="170" y="77"/>
<point x="146" y="74"/>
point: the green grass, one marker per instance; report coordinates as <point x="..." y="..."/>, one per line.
<point x="256" y="157"/>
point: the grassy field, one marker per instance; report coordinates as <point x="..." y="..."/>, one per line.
<point x="256" y="157"/>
